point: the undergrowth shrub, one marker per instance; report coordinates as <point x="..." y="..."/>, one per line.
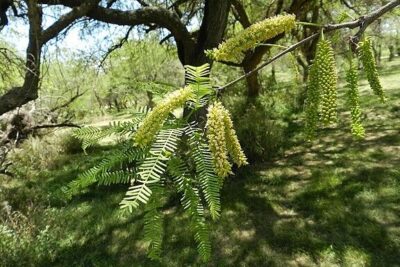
<point x="262" y="125"/>
<point x="42" y="153"/>
<point x="22" y="241"/>
<point x="33" y="155"/>
<point x="26" y="249"/>
<point x="69" y="144"/>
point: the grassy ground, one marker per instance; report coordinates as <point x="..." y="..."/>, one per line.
<point x="334" y="202"/>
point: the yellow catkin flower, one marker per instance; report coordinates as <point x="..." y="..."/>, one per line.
<point x="357" y="128"/>
<point x="216" y="139"/>
<point x="368" y="60"/>
<point x="153" y="122"/>
<point x="233" y="49"/>
<point x="327" y="81"/>
<point x="232" y="141"/>
<point x="312" y="103"/>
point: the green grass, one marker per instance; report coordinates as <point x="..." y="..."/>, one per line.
<point x="335" y="202"/>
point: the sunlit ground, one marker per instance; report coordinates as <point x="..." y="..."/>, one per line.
<point x="334" y="202"/>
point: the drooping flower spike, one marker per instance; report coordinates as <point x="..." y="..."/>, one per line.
<point x="217" y="139"/>
<point x="234" y="48"/>
<point x="367" y="58"/>
<point x="223" y="140"/>
<point x="232" y="141"/>
<point x="327" y="81"/>
<point x="357" y="128"/>
<point x="153" y="122"/>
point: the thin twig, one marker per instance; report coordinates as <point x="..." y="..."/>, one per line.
<point x="288" y="50"/>
<point x="70" y="101"/>
<point x="60" y="125"/>
<point x="363" y="22"/>
<point x="116" y="46"/>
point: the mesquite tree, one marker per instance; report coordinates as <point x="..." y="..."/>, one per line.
<point x="159" y="150"/>
<point x="213" y="18"/>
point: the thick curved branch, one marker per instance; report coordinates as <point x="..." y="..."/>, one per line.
<point x="163" y="17"/>
<point x="65" y="20"/>
<point x="142" y="16"/>
<point x="18" y="96"/>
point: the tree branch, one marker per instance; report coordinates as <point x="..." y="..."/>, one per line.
<point x="64" y="21"/>
<point x="116" y="46"/>
<point x="59" y="125"/>
<point x="142" y="16"/>
<point x="240" y="13"/>
<point x="18" y="96"/>
<point x="363" y="22"/>
<point x="67" y="103"/>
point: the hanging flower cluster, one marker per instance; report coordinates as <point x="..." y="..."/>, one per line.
<point x="368" y="60"/>
<point x="216" y="138"/>
<point x="312" y="103"/>
<point x="327" y="81"/>
<point x="153" y="122"/>
<point x="232" y="141"/>
<point x="223" y="140"/>
<point x="357" y="128"/>
<point x="321" y="102"/>
<point x="232" y="49"/>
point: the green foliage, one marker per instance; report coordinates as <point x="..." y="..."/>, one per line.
<point x="92" y="135"/>
<point x="11" y="67"/>
<point x="210" y="183"/>
<point x="20" y="248"/>
<point x="150" y="146"/>
<point x="368" y="60"/>
<point x="151" y="169"/>
<point x="191" y="200"/>
<point x="357" y="128"/>
<point x="114" y="169"/>
<point x="262" y="126"/>
<point x="36" y="154"/>
<point x="153" y="224"/>
<point x="70" y="144"/>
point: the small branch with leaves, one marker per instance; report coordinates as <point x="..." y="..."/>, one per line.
<point x="362" y="23"/>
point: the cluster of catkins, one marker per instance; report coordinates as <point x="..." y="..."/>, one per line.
<point x="312" y="103"/>
<point x="367" y="58"/>
<point x="322" y="89"/>
<point x="357" y="129"/>
<point x="223" y="140"/>
<point x="233" y="49"/>
<point x="153" y="122"/>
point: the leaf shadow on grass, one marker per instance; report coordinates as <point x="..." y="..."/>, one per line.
<point x="324" y="214"/>
<point x="343" y="200"/>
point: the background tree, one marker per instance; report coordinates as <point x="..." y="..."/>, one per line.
<point x="195" y="26"/>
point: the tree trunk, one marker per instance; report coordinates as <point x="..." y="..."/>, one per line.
<point x="211" y="31"/>
<point x="253" y="83"/>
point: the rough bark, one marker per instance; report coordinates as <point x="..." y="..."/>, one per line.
<point x="190" y="48"/>
<point x="18" y="96"/>
<point x="253" y="58"/>
<point x="211" y="31"/>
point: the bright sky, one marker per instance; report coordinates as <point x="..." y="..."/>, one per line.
<point x="16" y="34"/>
